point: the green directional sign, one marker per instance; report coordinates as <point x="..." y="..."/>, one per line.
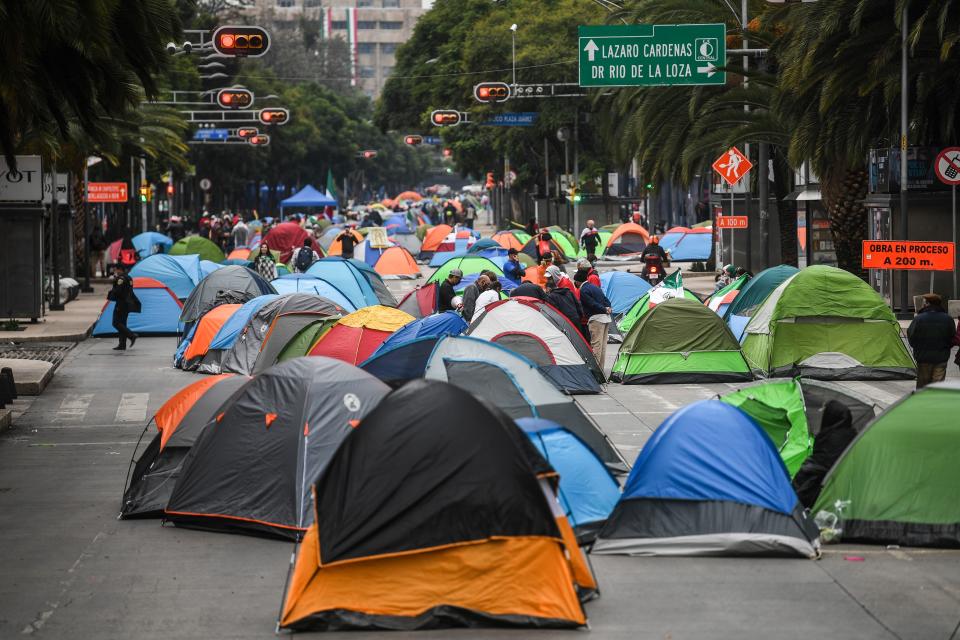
<point x="651" y="55"/>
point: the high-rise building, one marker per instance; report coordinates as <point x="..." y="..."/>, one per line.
<point x="372" y="29"/>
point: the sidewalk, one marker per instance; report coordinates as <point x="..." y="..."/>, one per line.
<point x="73" y="324"/>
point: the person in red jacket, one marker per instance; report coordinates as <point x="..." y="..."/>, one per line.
<point x="586" y="273"/>
<point x="562" y="280"/>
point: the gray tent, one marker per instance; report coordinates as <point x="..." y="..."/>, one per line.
<point x="234" y="284"/>
<point x="248" y="346"/>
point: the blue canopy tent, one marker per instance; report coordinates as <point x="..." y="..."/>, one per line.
<point x="708" y="482"/>
<point x="448" y="323"/>
<point x="588" y="491"/>
<point x="307" y="197"/>
<point x="180" y="273"/>
<point x="306" y="283"/>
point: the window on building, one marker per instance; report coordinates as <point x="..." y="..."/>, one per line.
<point x="338" y="25"/>
<point x="366" y="24"/>
<point x="386" y="71"/>
<point x="285" y="3"/>
<point x="390" y="4"/>
<point x="391" y="24"/>
<point x="366" y="47"/>
<point x="364" y="3"/>
<point x="389" y="47"/>
<point x="311" y="3"/>
<point x="368" y="72"/>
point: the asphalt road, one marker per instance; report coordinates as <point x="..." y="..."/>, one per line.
<point x="69" y="569"/>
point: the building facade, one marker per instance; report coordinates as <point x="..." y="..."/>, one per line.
<point x="372" y="29"/>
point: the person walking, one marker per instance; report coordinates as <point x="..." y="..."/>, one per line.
<point x="597" y="309"/>
<point x="512" y="268"/>
<point x="347" y="242"/>
<point x="265" y="265"/>
<point x="304" y="257"/>
<point x="590" y="239"/>
<point x="447" y="291"/>
<point x="470" y="215"/>
<point x="931" y="336"/>
<point x="125" y="302"/>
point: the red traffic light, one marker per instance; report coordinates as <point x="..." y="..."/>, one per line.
<point x="445" y="118"/>
<point x="274" y="116"/>
<point x="234" y="98"/>
<point x="492" y="92"/>
<point x="241" y="41"/>
<point x="448" y="153"/>
<point x="170" y="189"/>
<point x="491" y="183"/>
<point x="369" y="154"/>
<point x="260" y="140"/>
<point x="247" y="132"/>
<point x="413" y="140"/>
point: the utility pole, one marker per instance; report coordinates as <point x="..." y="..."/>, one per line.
<point x="746" y="108"/>
<point x="904" y="298"/>
<point x="576" y="170"/>
<point x="546" y="177"/>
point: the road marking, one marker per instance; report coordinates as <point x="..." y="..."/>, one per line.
<point x="133" y="407"/>
<point x="610" y="413"/>
<point x="74" y="407"/>
<point x="80" y="444"/>
<point x="872" y="392"/>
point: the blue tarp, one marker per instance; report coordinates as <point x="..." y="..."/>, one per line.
<point x="623" y="289"/>
<point x="308" y="197"/>
<point x="348" y="277"/>
<point x="710" y="450"/>
<point x="402" y="362"/>
<point x="448" y="323"/>
<point x="588" y="493"/>
<point x="234" y="325"/>
<point x="160" y="314"/>
<point x="180" y="273"/>
<point x="305" y="283"/>
<point x="151" y="242"/>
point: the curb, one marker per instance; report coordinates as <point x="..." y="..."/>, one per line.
<point x="35" y="388"/>
<point x="68" y="337"/>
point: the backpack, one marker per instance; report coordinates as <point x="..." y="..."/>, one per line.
<point x="304" y="259"/>
<point x="128" y="257"/>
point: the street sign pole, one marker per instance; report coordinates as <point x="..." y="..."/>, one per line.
<point x="953" y="217"/>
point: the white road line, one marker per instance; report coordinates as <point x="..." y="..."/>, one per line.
<point x="872" y="392"/>
<point x="610" y="413"/>
<point x="133" y="407"/>
<point x="81" y="444"/>
<point x="73" y="407"/>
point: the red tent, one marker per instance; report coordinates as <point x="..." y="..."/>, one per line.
<point x="287" y="236"/>
<point x="422" y="301"/>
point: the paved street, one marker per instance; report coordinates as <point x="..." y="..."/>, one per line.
<point x="72" y="570"/>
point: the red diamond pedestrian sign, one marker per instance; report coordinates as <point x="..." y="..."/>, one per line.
<point x="732" y="166"/>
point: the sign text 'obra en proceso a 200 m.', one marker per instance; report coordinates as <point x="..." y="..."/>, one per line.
<point x="652" y="55"/>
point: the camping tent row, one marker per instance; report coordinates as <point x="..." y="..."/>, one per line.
<point x="821" y="323"/>
<point x="322" y="416"/>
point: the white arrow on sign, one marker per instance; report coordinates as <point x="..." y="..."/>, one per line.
<point x="591" y="48"/>
<point x="709" y="70"/>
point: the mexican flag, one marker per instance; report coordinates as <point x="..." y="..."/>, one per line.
<point x="331" y="186"/>
<point x="671" y="287"/>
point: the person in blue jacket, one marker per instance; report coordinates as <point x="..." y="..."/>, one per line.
<point x="512" y="268"/>
<point x="597" y="309"/>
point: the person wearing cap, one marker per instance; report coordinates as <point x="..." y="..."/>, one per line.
<point x="447" y="293"/>
<point x="512" y="268"/>
<point x="590" y="239"/>
<point x="586" y="273"/>
<point x="931" y="336"/>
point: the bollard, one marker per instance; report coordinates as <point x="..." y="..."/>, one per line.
<point x="6" y="380"/>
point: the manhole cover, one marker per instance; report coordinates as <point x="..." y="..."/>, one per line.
<point x="53" y="352"/>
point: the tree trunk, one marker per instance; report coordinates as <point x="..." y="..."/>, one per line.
<point x="79" y="225"/>
<point x="786" y="210"/>
<point x="843" y="195"/>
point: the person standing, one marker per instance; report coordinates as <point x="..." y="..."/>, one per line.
<point x="561" y="279"/>
<point x="566" y="303"/>
<point x="470" y="215"/>
<point x="544" y="244"/>
<point x="586" y="272"/>
<point x="447" y="292"/>
<point x="597" y="309"/>
<point x="98" y="244"/>
<point x="512" y="269"/>
<point x="304" y="257"/>
<point x="240" y="234"/>
<point x="931" y="336"/>
<point x="470" y="295"/>
<point x="490" y="295"/>
<point x="265" y="265"/>
<point x="347" y="242"/>
<point x="125" y="302"/>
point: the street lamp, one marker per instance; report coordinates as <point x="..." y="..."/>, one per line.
<point x="513" y="37"/>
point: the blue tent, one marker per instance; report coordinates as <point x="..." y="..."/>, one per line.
<point x="307" y="197"/>
<point x="207" y="267"/>
<point x="228" y="333"/>
<point x="588" y="491"/>
<point x="486" y="243"/>
<point x="180" y="273"/>
<point x="355" y="279"/>
<point x="708" y="482"/>
<point x="623" y="289"/>
<point x="402" y="361"/>
<point x="151" y="242"/>
<point x="506" y="284"/>
<point x="448" y="323"/>
<point x="692" y="247"/>
<point x="159" y="313"/>
<point x="398" y="223"/>
<point x="306" y="283"/>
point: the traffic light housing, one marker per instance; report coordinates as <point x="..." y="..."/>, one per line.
<point x="145" y="192"/>
<point x="247" y="132"/>
<point x="370" y="154"/>
<point x="169" y="188"/>
<point x="573" y="194"/>
<point x="445" y="118"/>
<point x="234" y="98"/>
<point x="259" y="140"/>
<point x="492" y="92"/>
<point x="491" y="183"/>
<point x="276" y="115"/>
<point x="448" y="153"/>
<point x="413" y="141"/>
<point x="241" y="41"/>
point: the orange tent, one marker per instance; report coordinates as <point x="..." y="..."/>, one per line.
<point x="409" y="195"/>
<point x="536" y="275"/>
<point x="628" y="238"/>
<point x="507" y="240"/>
<point x="435" y="235"/>
<point x="169" y="416"/>
<point x="239" y="254"/>
<point x="207" y="328"/>
<point x="336" y="247"/>
<point x="396" y="262"/>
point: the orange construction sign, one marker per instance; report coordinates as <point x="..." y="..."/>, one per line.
<point x="732" y="166"/>
<point x="733" y="222"/>
<point x="908" y="255"/>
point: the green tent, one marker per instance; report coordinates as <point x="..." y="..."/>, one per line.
<point x="567" y="243"/>
<point x="756" y="290"/>
<point x="196" y="245"/>
<point x="779" y="409"/>
<point x="680" y="340"/>
<point x="826" y="323"/>
<point x="468" y="264"/>
<point x="640" y="309"/>
<point x="302" y="342"/>
<point x="898" y="480"/>
<point x="604" y="239"/>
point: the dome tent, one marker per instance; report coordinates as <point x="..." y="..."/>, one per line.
<point x="159" y="311"/>
<point x="196" y="343"/>
<point x="354" y="277"/>
<point x="227" y="335"/>
<point x="708" y="482"/>
<point x="179" y="273"/>
<point x="357" y="335"/>
<point x="229" y="285"/>
<point x="196" y="245"/>
<point x="306" y="283"/>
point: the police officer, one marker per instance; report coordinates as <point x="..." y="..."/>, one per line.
<point x="125" y="303"/>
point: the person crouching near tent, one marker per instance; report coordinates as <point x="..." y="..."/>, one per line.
<point x="931" y="336"/>
<point x="598" y="311"/>
<point x="125" y="302"/>
<point x="265" y="265"/>
<point x="836" y="432"/>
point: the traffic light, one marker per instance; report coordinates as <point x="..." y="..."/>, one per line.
<point x="259" y="140"/>
<point x="275" y="115"/>
<point x="241" y="41"/>
<point x="445" y="118"/>
<point x="573" y="194"/>
<point x="413" y="141"/>
<point x="649" y="186"/>
<point x="234" y="98"/>
<point x="491" y="183"/>
<point x="448" y="153"/>
<point x="369" y="154"/>
<point x="492" y="92"/>
<point x="169" y="188"/>
<point x="247" y="132"/>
